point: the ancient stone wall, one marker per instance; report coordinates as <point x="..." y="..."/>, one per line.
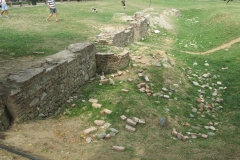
<point x="140" y="25"/>
<point x="137" y="30"/>
<point x="39" y="91"/>
<point x="109" y="62"/>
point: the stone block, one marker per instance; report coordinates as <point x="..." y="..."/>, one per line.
<point x="118" y="148"/>
<point x="96" y="105"/>
<point x="91" y="100"/>
<point x="129" y="128"/>
<point x="89" y="130"/>
<point x="131" y="122"/>
<point x="123" y="117"/>
<point x="99" y="122"/>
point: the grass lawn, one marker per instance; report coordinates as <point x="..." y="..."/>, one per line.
<point x="203" y="25"/>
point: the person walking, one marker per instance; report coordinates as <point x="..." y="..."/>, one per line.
<point x="53" y="10"/>
<point x="4" y="8"/>
<point x="123" y="3"/>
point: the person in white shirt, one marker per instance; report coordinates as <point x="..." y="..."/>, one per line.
<point x="53" y="10"/>
<point x="4" y="8"/>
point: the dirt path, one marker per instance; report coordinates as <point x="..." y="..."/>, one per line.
<point x="226" y="45"/>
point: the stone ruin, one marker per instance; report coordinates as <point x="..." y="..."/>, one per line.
<point x="136" y="31"/>
<point x="39" y="90"/>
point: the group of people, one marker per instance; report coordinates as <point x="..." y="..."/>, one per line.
<point x="50" y="3"/>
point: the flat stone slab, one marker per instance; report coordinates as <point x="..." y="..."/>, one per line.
<point x="96" y="105"/>
<point x="131" y="122"/>
<point x="123" y="117"/>
<point x="93" y="100"/>
<point x="129" y="128"/>
<point x="89" y="130"/>
<point x="99" y="122"/>
<point x="118" y="148"/>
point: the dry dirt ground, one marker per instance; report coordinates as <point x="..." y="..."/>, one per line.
<point x="61" y="138"/>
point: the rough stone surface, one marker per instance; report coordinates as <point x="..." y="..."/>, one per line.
<point x="123" y="117"/>
<point x="89" y="130"/>
<point x="109" y="62"/>
<point x="41" y="89"/>
<point x="96" y="105"/>
<point x="131" y="122"/>
<point x="118" y="148"/>
<point x="129" y="128"/>
<point x="99" y="122"/>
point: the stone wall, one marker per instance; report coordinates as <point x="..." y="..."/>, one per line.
<point x="109" y="62"/>
<point x="137" y="30"/>
<point x="39" y="91"/>
<point x="140" y="25"/>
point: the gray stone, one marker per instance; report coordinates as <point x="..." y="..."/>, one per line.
<point x="163" y="122"/>
<point x="113" y="130"/>
<point x="101" y="136"/>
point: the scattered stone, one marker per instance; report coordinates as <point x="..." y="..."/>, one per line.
<point x="101" y="136"/>
<point x="107" y="111"/>
<point x="102" y="112"/>
<point x="186" y="124"/>
<point x="212" y="128"/>
<point x="195" y="83"/>
<point x="193" y="136"/>
<point x="179" y="136"/>
<point x="135" y="119"/>
<point x="93" y="100"/>
<point x="174" y="132"/>
<point x="191" y="115"/>
<point x="140" y="85"/>
<point x="204" y="136"/>
<point x="106" y="125"/>
<point x="211" y="134"/>
<point x="166" y="96"/>
<point x="108" y="136"/>
<point x="140" y="74"/>
<point x="118" y="148"/>
<point x="119" y="73"/>
<point x="141" y="121"/>
<point x="88" y="140"/>
<point x="123" y="117"/>
<point x="194" y="110"/>
<point x="111" y="81"/>
<point x="147" y="79"/>
<point x="89" y="130"/>
<point x="163" y="122"/>
<point x="125" y="90"/>
<point x="185" y="138"/>
<point x="96" y="105"/>
<point x="129" y="80"/>
<point x="113" y="130"/>
<point x="99" y="122"/>
<point x="104" y="81"/>
<point x="73" y="105"/>
<point x="164" y="89"/>
<point x="143" y="89"/>
<point x="112" y="134"/>
<point x="129" y="128"/>
<point x="131" y="122"/>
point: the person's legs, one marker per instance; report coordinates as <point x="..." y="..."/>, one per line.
<point x="56" y="17"/>
<point x="50" y="15"/>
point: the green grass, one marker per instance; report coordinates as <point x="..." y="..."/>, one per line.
<point x="208" y="24"/>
